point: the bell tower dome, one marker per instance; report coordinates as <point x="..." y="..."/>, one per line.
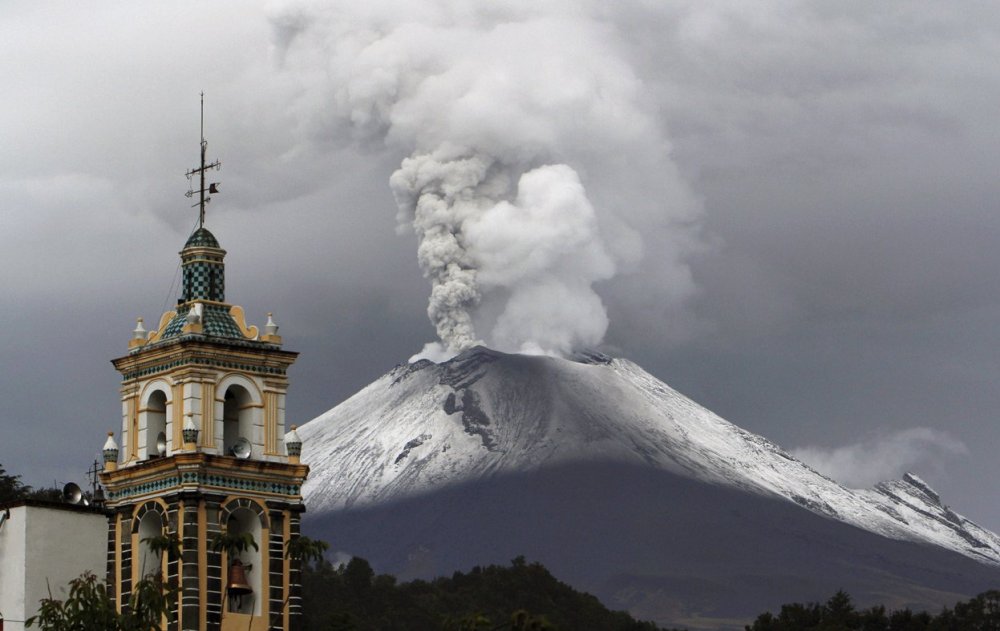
<point x="203" y="458"/>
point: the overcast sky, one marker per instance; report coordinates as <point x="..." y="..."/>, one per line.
<point x="789" y="208"/>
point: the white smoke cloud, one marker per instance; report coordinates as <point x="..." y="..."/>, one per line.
<point x="536" y="167"/>
<point x="884" y="457"/>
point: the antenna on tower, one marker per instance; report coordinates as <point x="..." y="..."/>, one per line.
<point x="212" y="187"/>
<point x="96" y="491"/>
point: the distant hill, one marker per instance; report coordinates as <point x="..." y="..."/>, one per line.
<point x="521" y="596"/>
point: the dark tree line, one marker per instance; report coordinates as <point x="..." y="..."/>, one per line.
<point x="524" y="595"/>
<point x="981" y="613"/>
<point x="11" y="489"/>
<point x="352" y="597"/>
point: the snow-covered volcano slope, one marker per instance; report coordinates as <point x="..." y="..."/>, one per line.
<point x="483" y="415"/>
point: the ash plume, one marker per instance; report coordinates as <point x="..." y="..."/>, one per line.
<point x="535" y="168"/>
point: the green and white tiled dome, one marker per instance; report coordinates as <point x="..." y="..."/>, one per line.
<point x="201" y="238"/>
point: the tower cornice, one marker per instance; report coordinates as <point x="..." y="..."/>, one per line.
<point x="204" y="473"/>
<point x="199" y="352"/>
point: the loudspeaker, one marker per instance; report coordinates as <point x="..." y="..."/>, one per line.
<point x="72" y="494"/>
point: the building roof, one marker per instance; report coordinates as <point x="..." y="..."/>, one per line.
<point x="35" y="503"/>
<point x="201" y="238"/>
<point x="216" y="322"/>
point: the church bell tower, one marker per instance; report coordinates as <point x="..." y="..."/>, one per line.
<point x="204" y="459"/>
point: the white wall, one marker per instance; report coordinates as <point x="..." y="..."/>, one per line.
<point x="12" y="567"/>
<point x="43" y="546"/>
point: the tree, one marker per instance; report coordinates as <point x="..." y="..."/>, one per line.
<point x="839" y="612"/>
<point x="88" y="607"/>
<point x="233" y="543"/>
<point x="304" y="550"/>
<point x="521" y="597"/>
<point x="168" y="543"/>
<point x="981" y="613"/>
<point x="11" y="487"/>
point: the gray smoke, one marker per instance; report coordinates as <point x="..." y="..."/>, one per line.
<point x="885" y="457"/>
<point x="535" y="168"/>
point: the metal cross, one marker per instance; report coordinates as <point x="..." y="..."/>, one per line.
<point x="212" y="187"/>
<point x="92" y="474"/>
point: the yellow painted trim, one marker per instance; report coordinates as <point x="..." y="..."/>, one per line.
<point x="232" y="621"/>
<point x="238" y="379"/>
<point x="270" y="421"/>
<point x="230" y="498"/>
<point x="264" y="549"/>
<point x="214" y="303"/>
<point x="149" y="409"/>
<point x="207" y="434"/>
<point x="136" y="576"/>
<point x="133" y="435"/>
<point x="164" y="321"/>
<point x="178" y="420"/>
<point x="135" y="537"/>
<point x="210" y="261"/>
<point x="239" y="316"/>
<point x="159" y="383"/>
<point x="163" y="505"/>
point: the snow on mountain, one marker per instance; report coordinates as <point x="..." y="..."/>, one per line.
<point x="424" y="426"/>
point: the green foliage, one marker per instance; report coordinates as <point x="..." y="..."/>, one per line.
<point x="233" y="543"/>
<point x="982" y="613"/>
<point x="522" y="597"/>
<point x="168" y="543"/>
<point x="305" y="549"/>
<point x="88" y="607"/>
<point x="11" y="487"/>
<point x="49" y="494"/>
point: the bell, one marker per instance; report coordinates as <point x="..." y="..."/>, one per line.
<point x="238" y="585"/>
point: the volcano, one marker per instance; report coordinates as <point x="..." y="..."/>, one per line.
<point x="622" y="487"/>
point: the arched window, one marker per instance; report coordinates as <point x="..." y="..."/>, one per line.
<point x="240" y="521"/>
<point x="237" y="417"/>
<point x="150" y="525"/>
<point x="156" y="421"/>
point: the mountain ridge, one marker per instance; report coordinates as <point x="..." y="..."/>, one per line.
<point x="622" y="487"/>
<point x="498" y="412"/>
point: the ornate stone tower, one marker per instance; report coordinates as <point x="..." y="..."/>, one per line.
<point x="204" y="455"/>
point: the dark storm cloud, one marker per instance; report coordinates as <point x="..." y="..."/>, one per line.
<point x="844" y="157"/>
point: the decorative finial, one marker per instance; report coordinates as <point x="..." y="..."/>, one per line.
<point x="110" y="453"/>
<point x="212" y="187"/>
<point x="190" y="432"/>
<point x="139" y="335"/>
<point x="293" y="445"/>
<point x="195" y="313"/>
<point x="271" y="331"/>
